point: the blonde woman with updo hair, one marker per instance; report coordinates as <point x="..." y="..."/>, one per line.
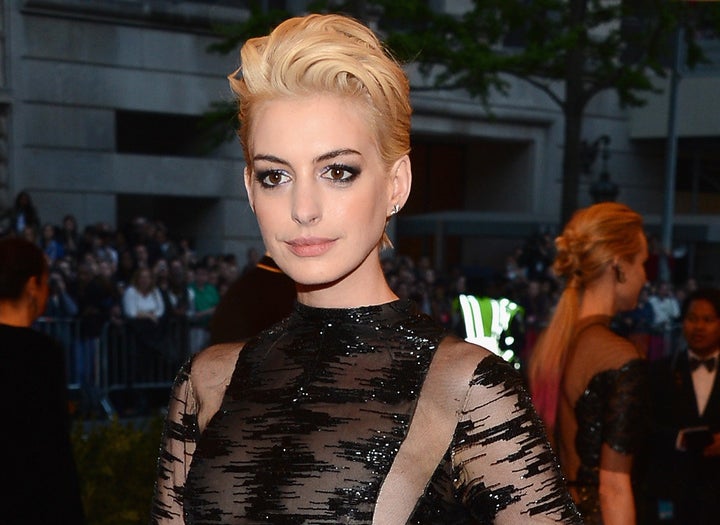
<point x="587" y="382"/>
<point x="356" y="408"/>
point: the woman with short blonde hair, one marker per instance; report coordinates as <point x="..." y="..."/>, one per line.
<point x="355" y="408"/>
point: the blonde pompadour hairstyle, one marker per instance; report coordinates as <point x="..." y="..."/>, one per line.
<point x="326" y="54"/>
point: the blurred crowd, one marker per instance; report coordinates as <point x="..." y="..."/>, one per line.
<point x="137" y="272"/>
<point x="528" y="280"/>
<point x="140" y="273"/>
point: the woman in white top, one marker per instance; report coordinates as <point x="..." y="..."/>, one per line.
<point x="142" y="299"/>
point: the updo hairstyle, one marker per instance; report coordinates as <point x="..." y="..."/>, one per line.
<point x="592" y="238"/>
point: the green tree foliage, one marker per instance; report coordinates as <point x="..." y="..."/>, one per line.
<point x="116" y="463"/>
<point x="571" y="50"/>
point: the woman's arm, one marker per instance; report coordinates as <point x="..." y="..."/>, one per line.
<point x="196" y="396"/>
<point x="506" y="471"/>
<point x="617" y="503"/>
<point x="178" y="445"/>
<point x="625" y="431"/>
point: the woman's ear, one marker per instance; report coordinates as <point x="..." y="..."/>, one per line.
<point x="401" y="182"/>
<point x="249" y="188"/>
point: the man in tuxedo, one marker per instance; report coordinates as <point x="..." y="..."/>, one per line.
<point x="683" y="470"/>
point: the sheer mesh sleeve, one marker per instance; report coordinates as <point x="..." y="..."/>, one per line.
<point x="178" y="445"/>
<point x="504" y="468"/>
<point x="613" y="410"/>
<point x="625" y="419"/>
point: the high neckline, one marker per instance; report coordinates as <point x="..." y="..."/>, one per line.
<point x="390" y="309"/>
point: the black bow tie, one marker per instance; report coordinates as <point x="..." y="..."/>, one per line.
<point x="707" y="363"/>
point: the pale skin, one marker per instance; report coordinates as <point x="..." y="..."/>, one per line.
<point x="322" y="199"/>
<point x="616" y="289"/>
<point x="305" y="203"/>
<point x="322" y="196"/>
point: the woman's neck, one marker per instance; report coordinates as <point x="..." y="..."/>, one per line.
<point x="15" y="314"/>
<point x="597" y="299"/>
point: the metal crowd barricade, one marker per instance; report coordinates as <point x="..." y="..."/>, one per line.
<point x="116" y="368"/>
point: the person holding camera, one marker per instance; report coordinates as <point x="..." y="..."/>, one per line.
<point x="683" y="477"/>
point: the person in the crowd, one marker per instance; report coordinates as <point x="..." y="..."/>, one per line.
<point x="60" y="312"/>
<point x="41" y="481"/>
<point x="179" y="301"/>
<point x="127" y="266"/>
<point x="256" y="300"/>
<point x="356" y="408"/>
<point x="588" y="383"/>
<point x="50" y="245"/>
<point x="142" y="299"/>
<point x="206" y="298"/>
<point x="69" y="236"/>
<point x="23" y="218"/>
<point x="98" y="304"/>
<point x="666" y="312"/>
<point x="144" y="309"/>
<point x="179" y="297"/>
<point x="206" y="295"/>
<point x="683" y="476"/>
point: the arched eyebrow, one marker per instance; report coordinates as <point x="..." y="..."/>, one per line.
<point x="271" y="158"/>
<point x="321" y="158"/>
<point x="336" y="153"/>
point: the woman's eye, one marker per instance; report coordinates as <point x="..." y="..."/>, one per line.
<point x="271" y="178"/>
<point x="340" y="173"/>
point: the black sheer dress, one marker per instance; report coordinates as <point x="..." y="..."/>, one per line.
<point x="359" y="416"/>
<point x="604" y="401"/>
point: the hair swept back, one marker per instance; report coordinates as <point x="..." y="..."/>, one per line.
<point x="331" y="54"/>
<point x="326" y="54"/>
<point x="592" y="238"/>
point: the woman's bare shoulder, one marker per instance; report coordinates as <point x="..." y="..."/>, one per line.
<point x="459" y="353"/>
<point x="214" y="365"/>
<point x="210" y="375"/>
<point x="457" y="361"/>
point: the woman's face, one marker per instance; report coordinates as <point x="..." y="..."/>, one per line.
<point x="145" y="280"/>
<point x="320" y="191"/>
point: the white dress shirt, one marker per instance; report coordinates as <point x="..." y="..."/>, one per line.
<point x="703" y="380"/>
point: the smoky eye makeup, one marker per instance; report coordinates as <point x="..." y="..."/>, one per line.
<point x="341" y="173"/>
<point x="270" y="178"/>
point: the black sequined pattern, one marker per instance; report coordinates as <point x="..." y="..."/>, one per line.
<point x="613" y="410"/>
<point x="315" y="415"/>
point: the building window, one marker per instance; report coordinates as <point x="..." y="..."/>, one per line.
<point x="149" y="133"/>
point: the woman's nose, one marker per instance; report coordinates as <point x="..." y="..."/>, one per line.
<point x="306" y="202"/>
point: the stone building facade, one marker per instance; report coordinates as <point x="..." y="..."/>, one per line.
<point x="99" y="102"/>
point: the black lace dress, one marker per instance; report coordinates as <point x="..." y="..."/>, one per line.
<point x="359" y="416"/>
<point x="604" y="401"/>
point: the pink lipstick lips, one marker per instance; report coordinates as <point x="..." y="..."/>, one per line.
<point x="310" y="246"/>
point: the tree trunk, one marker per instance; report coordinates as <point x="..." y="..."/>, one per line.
<point x="571" y="166"/>
<point x="573" y="109"/>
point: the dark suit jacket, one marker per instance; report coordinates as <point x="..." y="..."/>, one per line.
<point x="688" y="479"/>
